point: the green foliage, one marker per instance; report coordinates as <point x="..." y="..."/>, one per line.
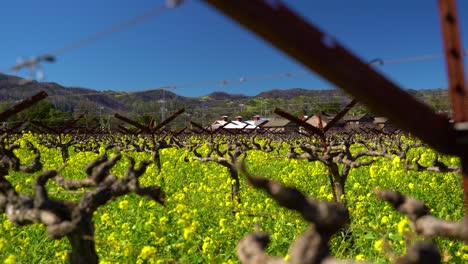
<point x="44" y="112"/>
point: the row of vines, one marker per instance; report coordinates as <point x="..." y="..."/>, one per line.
<point x="195" y="199"/>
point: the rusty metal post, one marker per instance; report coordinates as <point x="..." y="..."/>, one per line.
<point x="454" y="60"/>
<point x="456" y="77"/>
<point x="124" y="129"/>
<point x="319" y="119"/>
<point x="321" y="53"/>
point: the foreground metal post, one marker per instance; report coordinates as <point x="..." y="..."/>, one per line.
<point x="454" y="60"/>
<point x="278" y="25"/>
<point x="321" y="53"/>
<point x="456" y="76"/>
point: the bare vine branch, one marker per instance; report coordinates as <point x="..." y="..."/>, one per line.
<point x="424" y="223"/>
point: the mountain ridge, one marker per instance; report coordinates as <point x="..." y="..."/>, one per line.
<point x="161" y="102"/>
<point x="13" y="88"/>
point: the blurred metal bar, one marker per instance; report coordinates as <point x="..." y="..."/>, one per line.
<point x="321" y="53"/>
<point x="454" y="59"/>
<point x="456" y="76"/>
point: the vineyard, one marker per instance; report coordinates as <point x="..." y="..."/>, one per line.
<point x="193" y="209"/>
<point x="238" y="192"/>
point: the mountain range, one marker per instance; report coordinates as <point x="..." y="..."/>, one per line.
<point x="13" y="89"/>
<point x="162" y="102"/>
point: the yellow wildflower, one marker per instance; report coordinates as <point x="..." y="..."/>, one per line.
<point x="403" y="226"/>
<point x="147" y="252"/>
<point x="11" y="259"/>
<point x="378" y="245"/>
<point x="360" y="257"/>
<point x="123" y="205"/>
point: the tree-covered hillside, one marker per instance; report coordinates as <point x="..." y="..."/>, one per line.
<point x="99" y="106"/>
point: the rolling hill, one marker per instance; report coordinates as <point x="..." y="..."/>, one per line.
<point x="162" y="102"/>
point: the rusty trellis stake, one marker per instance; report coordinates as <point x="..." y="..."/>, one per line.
<point x="259" y="127"/>
<point x="454" y="60"/>
<point x="200" y="127"/>
<point x="210" y="131"/>
<point x="22" y="105"/>
<point x="456" y="77"/>
<point x="318" y="51"/>
<point x="125" y="130"/>
<point x="149" y="129"/>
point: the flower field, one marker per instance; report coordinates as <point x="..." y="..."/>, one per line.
<point x="201" y="223"/>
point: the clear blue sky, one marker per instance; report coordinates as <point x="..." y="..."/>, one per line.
<point x="194" y="43"/>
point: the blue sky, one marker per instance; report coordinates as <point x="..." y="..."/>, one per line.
<point x="195" y="43"/>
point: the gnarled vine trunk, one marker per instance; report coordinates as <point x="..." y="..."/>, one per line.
<point x="235" y="184"/>
<point x="82" y="243"/>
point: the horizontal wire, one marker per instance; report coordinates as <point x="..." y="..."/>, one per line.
<point x="113" y="29"/>
<point x="50" y="56"/>
<point x="244" y="79"/>
<point x="291" y="74"/>
<point x="170" y="4"/>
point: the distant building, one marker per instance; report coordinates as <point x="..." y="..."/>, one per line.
<point x="238" y="123"/>
<point x="281" y="125"/>
<point x="356" y="121"/>
<point x="325" y="118"/>
<point x="380" y="121"/>
<point x="384" y="124"/>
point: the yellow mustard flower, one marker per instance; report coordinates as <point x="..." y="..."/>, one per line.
<point x="147" y="252"/>
<point x="123" y="204"/>
<point x="11" y="259"/>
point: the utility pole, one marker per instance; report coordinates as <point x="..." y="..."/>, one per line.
<point x="101" y="121"/>
<point x="163" y="105"/>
